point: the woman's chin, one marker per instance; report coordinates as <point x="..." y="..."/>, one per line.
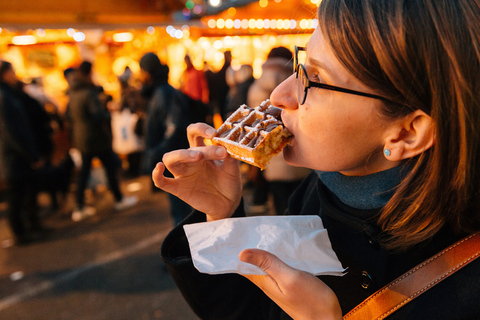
<point x="289" y="153"/>
<point x="292" y="155"/>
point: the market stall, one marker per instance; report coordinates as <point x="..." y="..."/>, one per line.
<point x="248" y="31"/>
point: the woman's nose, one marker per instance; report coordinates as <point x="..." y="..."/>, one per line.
<point x="285" y="94"/>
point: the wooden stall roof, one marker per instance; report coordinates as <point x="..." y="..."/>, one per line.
<point x="56" y="14"/>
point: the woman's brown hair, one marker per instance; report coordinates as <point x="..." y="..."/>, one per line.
<point x="420" y="54"/>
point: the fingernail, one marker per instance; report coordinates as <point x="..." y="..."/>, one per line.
<point x="192" y="154"/>
<point x="210" y="132"/>
<point x="220" y="152"/>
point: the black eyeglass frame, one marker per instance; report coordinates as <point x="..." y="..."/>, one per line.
<point x="309" y="84"/>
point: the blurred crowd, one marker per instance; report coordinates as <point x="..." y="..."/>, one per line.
<point x="98" y="139"/>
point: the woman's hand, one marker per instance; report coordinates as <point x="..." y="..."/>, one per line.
<point x="204" y="176"/>
<point x="300" y="294"/>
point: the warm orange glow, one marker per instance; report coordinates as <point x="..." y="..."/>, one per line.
<point x="24" y="40"/>
<point x="248" y="32"/>
<point x="232" y="11"/>
<point x="220" y="23"/>
<point x="229" y="23"/>
<point x="123" y="37"/>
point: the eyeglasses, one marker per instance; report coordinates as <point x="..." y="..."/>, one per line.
<point x="304" y="84"/>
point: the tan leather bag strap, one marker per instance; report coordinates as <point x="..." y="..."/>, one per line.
<point x="418" y="280"/>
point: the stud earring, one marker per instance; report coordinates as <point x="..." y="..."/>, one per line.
<point x="387" y="152"/>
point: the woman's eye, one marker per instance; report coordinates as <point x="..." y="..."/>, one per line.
<point x="315" y="78"/>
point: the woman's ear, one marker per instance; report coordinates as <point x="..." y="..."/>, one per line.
<point x="410" y="136"/>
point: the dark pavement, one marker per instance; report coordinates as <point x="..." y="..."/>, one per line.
<point x="105" y="267"/>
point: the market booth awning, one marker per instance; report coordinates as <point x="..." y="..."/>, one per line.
<point x="84" y="13"/>
<point x="108" y="14"/>
<point x="263" y="17"/>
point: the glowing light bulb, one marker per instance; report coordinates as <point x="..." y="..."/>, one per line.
<point x="214" y="3"/>
<point x="237" y="23"/>
<point x="189" y="4"/>
<point x="232" y="11"/>
<point x="220" y="23"/>
<point x="198" y="9"/>
<point x="123" y="37"/>
<point x="212" y="23"/>
<point x="41" y="32"/>
<point x="229" y="24"/>
<point x="24" y="40"/>
<point x="178" y="34"/>
<point x="79" y="36"/>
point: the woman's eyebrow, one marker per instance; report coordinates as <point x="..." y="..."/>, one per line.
<point x="319" y="64"/>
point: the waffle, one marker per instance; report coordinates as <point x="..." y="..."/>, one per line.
<point x="255" y="135"/>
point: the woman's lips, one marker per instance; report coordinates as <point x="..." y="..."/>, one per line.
<point x="285" y="122"/>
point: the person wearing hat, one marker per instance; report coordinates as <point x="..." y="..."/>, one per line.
<point x="165" y="124"/>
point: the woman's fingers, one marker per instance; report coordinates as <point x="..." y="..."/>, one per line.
<point x="298" y="293"/>
<point x="268" y="263"/>
<point x="157" y="175"/>
<point x="196" y="132"/>
<point x="174" y="159"/>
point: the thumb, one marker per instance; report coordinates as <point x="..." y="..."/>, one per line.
<point x="264" y="260"/>
<point x="159" y="180"/>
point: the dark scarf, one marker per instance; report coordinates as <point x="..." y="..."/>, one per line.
<point x="364" y="192"/>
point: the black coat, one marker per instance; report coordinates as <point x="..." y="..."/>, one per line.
<point x="166" y="124"/>
<point x="18" y="145"/>
<point x="89" y="120"/>
<point x="353" y="238"/>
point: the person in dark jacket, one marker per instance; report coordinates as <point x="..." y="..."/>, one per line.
<point x="20" y="157"/>
<point x="386" y="109"/>
<point x="91" y="134"/>
<point x="217" y="84"/>
<point x="278" y="179"/>
<point x="239" y="81"/>
<point x="166" y="122"/>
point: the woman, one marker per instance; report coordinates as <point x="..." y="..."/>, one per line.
<point x="396" y="163"/>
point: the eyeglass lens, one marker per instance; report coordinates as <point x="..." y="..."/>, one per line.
<point x="302" y="85"/>
<point x="301" y="75"/>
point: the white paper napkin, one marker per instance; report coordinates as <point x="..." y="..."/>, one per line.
<point x="300" y="241"/>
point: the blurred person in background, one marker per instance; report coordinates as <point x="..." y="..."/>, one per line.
<point x="128" y="140"/>
<point x="51" y="137"/>
<point x="166" y="123"/>
<point x="239" y="82"/>
<point x="194" y="82"/>
<point x="279" y="178"/>
<point x="194" y="85"/>
<point x="217" y="85"/>
<point x="20" y="159"/>
<point x="69" y="75"/>
<point x="92" y="136"/>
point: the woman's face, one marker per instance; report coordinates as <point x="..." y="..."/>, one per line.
<point x="333" y="131"/>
